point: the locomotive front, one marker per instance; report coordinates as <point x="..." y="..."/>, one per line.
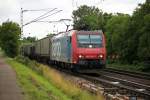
<point x="89" y="48"/>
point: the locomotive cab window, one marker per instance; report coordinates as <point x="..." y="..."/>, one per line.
<point x="96" y="39"/>
<point x="84" y="40"/>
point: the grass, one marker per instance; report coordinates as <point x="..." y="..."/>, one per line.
<point x="39" y="82"/>
<point x="67" y="87"/>
<point x="35" y="86"/>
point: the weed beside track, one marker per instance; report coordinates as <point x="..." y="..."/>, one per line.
<point x="40" y="78"/>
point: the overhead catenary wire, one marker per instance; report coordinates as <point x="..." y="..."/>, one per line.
<point x="49" y="21"/>
<point x="40" y="17"/>
<point x="58" y="21"/>
<point x="44" y="14"/>
<point x="50" y="14"/>
<point x="46" y="9"/>
<point x="36" y="19"/>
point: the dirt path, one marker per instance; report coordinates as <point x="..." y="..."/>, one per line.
<point x="9" y="89"/>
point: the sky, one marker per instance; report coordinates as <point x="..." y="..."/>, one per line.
<point x="10" y="9"/>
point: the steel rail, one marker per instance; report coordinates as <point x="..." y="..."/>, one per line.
<point x="129" y="73"/>
<point x="121" y="86"/>
<point x="135" y="84"/>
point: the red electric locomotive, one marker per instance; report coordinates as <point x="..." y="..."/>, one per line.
<point x="82" y="48"/>
<point x="89" y="48"/>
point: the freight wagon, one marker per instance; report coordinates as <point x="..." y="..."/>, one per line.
<point x="27" y="50"/>
<point x="43" y="49"/>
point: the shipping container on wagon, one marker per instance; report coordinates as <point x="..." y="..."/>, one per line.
<point x="37" y="48"/>
<point x="42" y="47"/>
<point x="27" y="49"/>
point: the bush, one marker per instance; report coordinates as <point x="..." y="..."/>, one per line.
<point x="9" y="38"/>
<point x="32" y="64"/>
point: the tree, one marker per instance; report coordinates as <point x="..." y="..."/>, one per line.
<point x="139" y="43"/>
<point x="116" y="29"/>
<point x="9" y="36"/>
<point x="144" y="39"/>
<point x="129" y="36"/>
<point x="106" y="17"/>
<point x="0" y="35"/>
<point x="29" y="39"/>
<point x="87" y="18"/>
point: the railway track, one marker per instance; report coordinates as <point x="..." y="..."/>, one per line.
<point x="123" y="87"/>
<point x="111" y="81"/>
<point x="125" y="83"/>
<point x="129" y="73"/>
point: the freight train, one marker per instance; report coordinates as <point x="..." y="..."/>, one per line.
<point x="72" y="49"/>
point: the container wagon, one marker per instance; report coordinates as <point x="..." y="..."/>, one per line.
<point x="43" y="49"/>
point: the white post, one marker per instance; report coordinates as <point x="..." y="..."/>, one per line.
<point x="21" y="22"/>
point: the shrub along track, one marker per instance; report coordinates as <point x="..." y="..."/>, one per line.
<point x="131" y="84"/>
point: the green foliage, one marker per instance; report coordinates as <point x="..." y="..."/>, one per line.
<point x="144" y="39"/>
<point x="0" y="35"/>
<point x="29" y="39"/>
<point x="127" y="37"/>
<point x="9" y="38"/>
<point x="139" y="40"/>
<point x="87" y="18"/>
<point x="106" y="17"/>
<point x="116" y="28"/>
<point x="34" y="85"/>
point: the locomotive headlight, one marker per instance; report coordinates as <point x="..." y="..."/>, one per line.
<point x="80" y="56"/>
<point x="101" y="56"/>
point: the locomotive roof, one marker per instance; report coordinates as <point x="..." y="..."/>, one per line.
<point x="87" y="32"/>
<point x="69" y="33"/>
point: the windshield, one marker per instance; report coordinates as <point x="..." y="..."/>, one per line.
<point x="89" y="39"/>
<point x="94" y="40"/>
<point x="84" y="39"/>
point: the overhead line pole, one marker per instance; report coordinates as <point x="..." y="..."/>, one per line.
<point x="36" y="19"/>
<point x="21" y="22"/>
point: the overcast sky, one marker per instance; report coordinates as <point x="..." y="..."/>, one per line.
<point x="10" y="9"/>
